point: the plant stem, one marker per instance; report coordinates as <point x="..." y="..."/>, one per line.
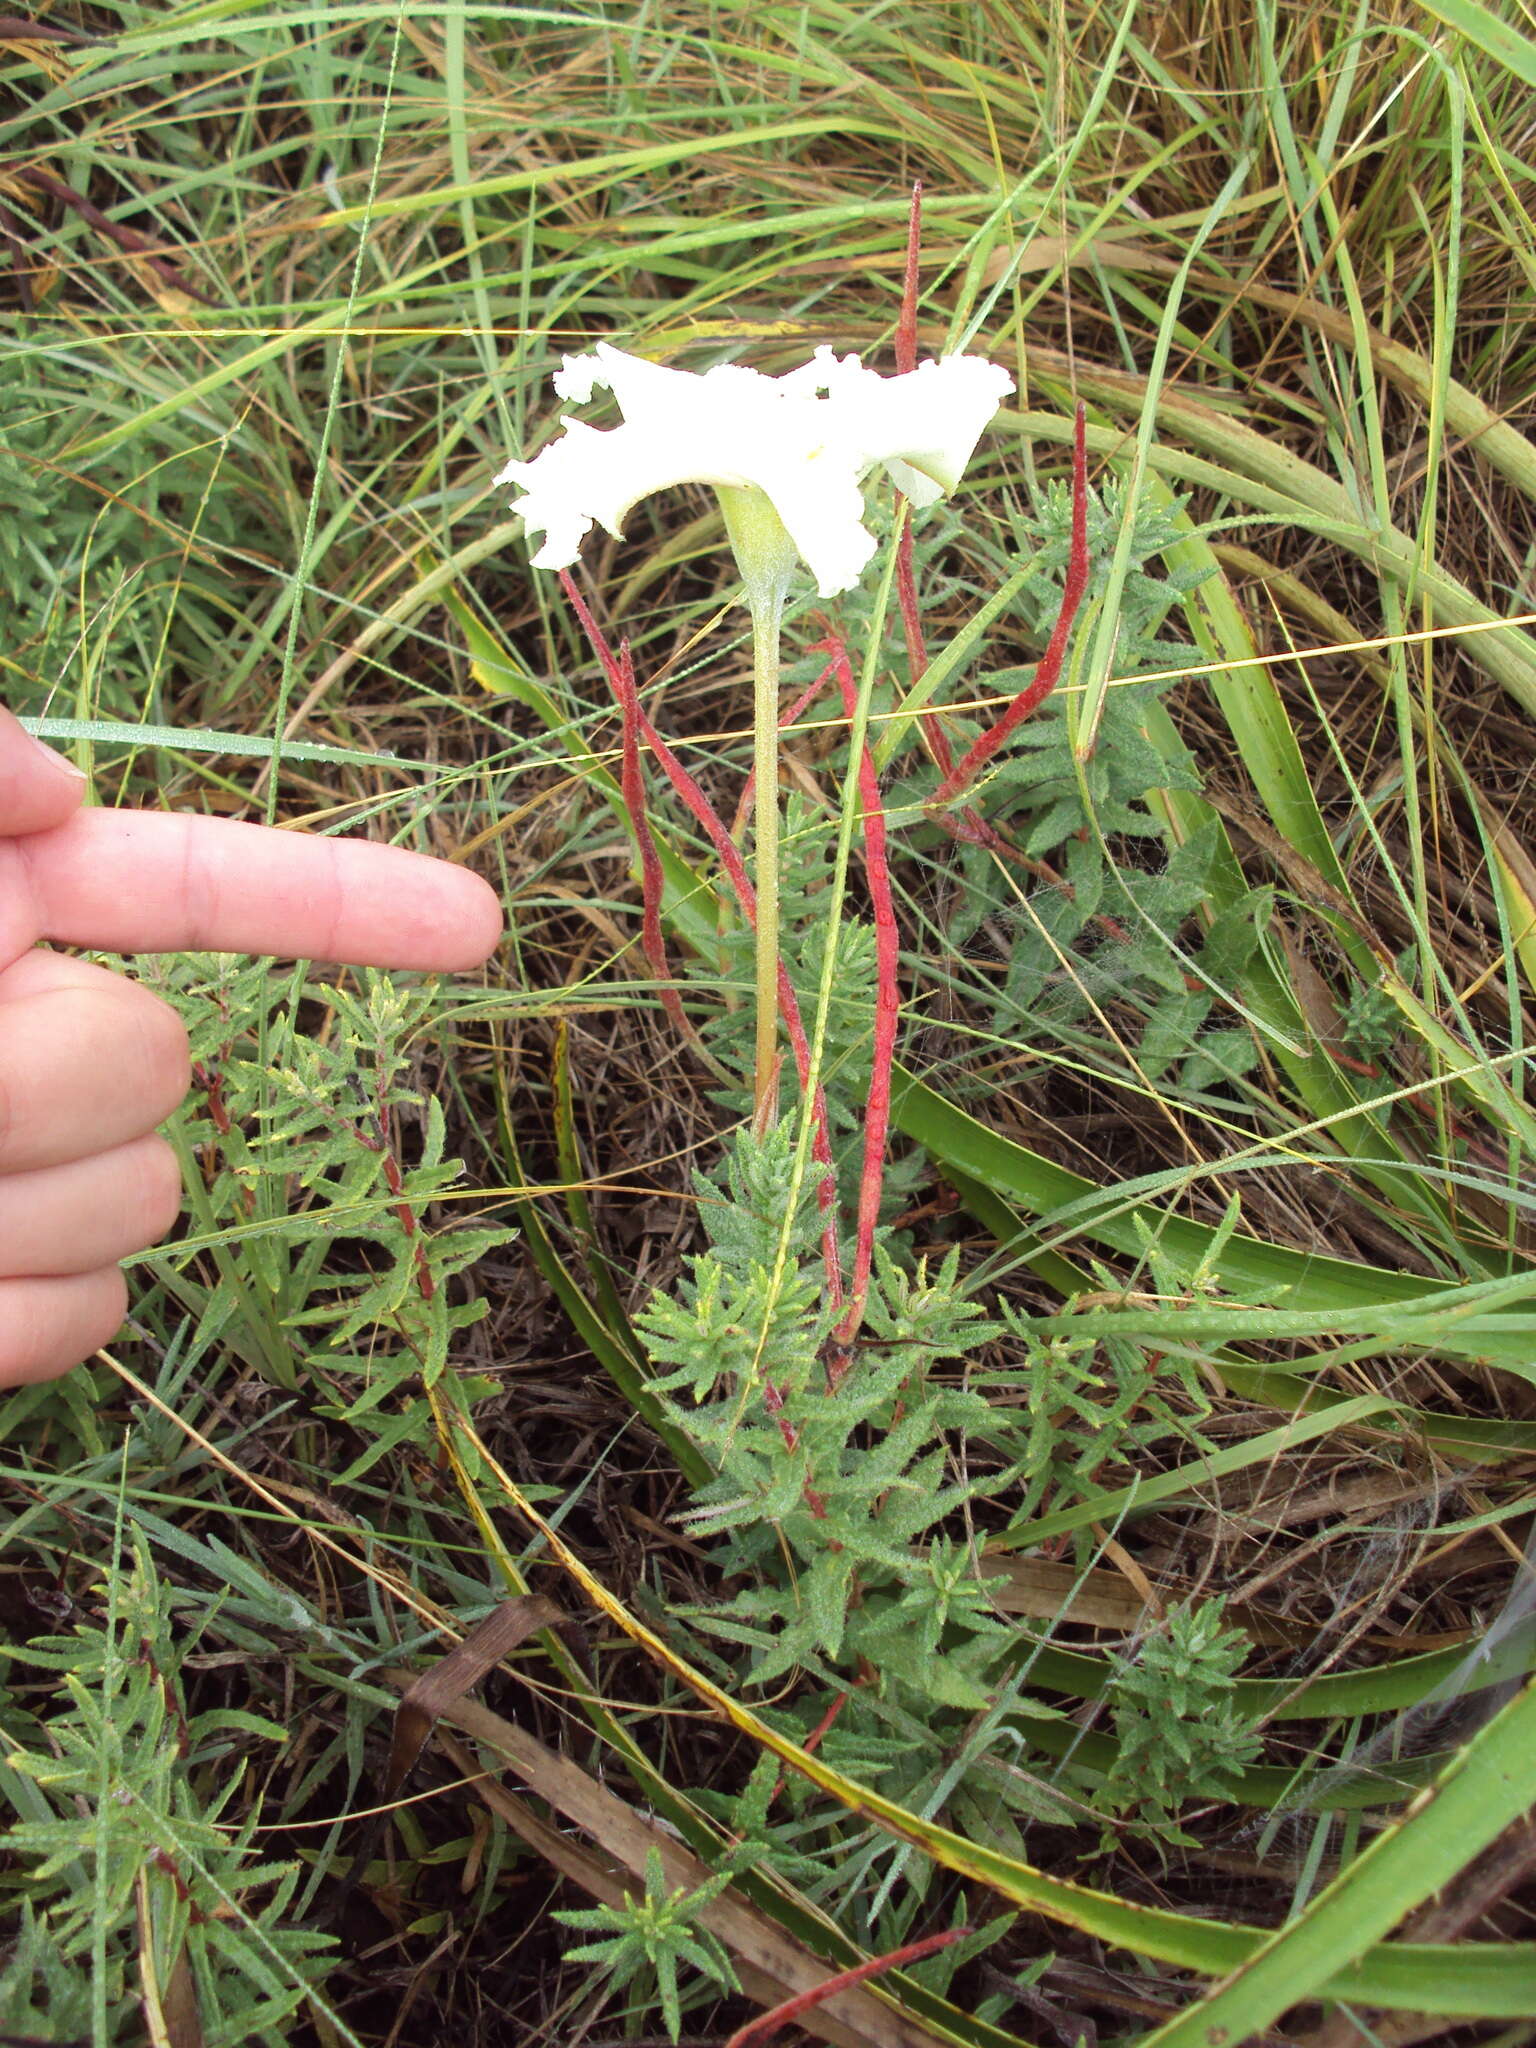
<point x="766" y="557"/>
<point x="877" y="1115"/>
<point x="767" y="608"/>
<point x="704" y="813"/>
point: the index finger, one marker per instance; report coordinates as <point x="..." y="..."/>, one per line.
<point x="148" y="882"/>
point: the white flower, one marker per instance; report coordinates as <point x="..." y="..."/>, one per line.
<point x="808" y="453"/>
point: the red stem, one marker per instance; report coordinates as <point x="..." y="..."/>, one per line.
<point x="632" y="786"/>
<point x="814" y="1740"/>
<point x="1046" y="675"/>
<point x="125" y="238"/>
<point x="761" y="2030"/>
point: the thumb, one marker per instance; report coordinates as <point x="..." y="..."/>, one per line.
<point x="38" y="788"/>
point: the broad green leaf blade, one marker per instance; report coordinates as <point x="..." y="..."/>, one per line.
<point x="1041" y="1188"/>
<point x="1474" y="1312"/>
<point x="183" y="739"/>
<point x="1495" y="33"/>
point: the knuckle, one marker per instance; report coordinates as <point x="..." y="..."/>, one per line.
<point x="164" y="1050"/>
<point x="103" y="1309"/>
<point x="161" y="1190"/>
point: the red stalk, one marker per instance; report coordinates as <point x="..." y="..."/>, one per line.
<point x="632" y="785"/>
<point x="756" y="2033"/>
<point x="1048" y="673"/>
<point x="814" y="1740"/>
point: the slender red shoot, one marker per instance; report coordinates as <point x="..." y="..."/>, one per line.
<point x="823" y="1727"/>
<point x="1047" y="674"/>
<point x="877" y="1117"/>
<point x="756" y="2033"/>
<point x="593" y="630"/>
<point x="713" y="825"/>
<point x="632" y="786"/>
<point x="620" y="671"/>
<point x="818" y="1734"/>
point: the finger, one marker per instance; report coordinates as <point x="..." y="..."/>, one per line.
<point x="46" y="1326"/>
<point x="38" y="788"/>
<point x="90" y="1213"/>
<point x="88" y="1061"/>
<point x="145" y="882"/>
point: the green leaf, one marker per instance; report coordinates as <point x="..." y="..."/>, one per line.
<point x="183" y="739"/>
<point x="1494" y="33"/>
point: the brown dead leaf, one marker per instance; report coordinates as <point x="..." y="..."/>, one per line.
<point x="769" y="1965"/>
<point x="442" y="1687"/>
<point x="1312" y="992"/>
<point x="1045" y="252"/>
<point x="1307" y="879"/>
<point x="1040" y="1589"/>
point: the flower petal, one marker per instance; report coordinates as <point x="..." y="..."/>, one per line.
<point x="821" y="503"/>
<point x="807" y="439"/>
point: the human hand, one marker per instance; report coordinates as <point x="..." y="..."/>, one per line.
<point x="90" y="1062"/>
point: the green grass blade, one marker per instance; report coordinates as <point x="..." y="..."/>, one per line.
<point x="1041" y="1188"/>
<point x="1489" y="1784"/>
<point x="1495" y="33"/>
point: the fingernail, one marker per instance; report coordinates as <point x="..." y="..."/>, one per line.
<point x="59" y="761"/>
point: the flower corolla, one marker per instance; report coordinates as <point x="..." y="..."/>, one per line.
<point x="807" y="441"/>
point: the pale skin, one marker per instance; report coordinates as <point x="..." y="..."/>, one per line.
<point x="91" y="1063"/>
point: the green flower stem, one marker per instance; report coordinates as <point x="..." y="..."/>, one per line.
<point x="766" y="557"/>
<point x="767" y="616"/>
